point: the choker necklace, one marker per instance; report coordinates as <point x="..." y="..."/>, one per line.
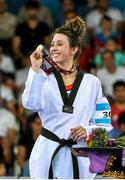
<point x="49" y="65"/>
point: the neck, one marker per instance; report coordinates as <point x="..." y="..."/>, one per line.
<point x="70" y="78"/>
<point x="33" y="23"/>
<point x="66" y="65"/>
<point x="111" y="69"/>
<point x="107" y="33"/>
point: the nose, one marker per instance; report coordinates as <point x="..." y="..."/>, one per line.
<point x="54" y="47"/>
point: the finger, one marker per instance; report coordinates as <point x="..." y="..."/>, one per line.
<point x="74" y="133"/>
<point x="74" y="152"/>
<point x="78" y="131"/>
<point x="79" y="136"/>
<point x="76" y="128"/>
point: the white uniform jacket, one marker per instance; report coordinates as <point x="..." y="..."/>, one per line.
<point x="41" y="94"/>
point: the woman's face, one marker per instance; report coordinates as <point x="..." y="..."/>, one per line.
<point x="60" y="49"/>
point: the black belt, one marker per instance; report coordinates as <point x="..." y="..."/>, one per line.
<point x="62" y="142"/>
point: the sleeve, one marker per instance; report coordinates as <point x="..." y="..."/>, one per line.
<point x="101" y="113"/>
<point x="33" y="95"/>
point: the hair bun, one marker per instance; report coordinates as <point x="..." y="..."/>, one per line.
<point x="77" y="25"/>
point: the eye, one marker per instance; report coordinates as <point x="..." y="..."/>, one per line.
<point x="60" y="44"/>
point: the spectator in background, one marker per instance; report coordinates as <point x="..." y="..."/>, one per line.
<point x="113" y="46"/>
<point x="7" y="135"/>
<point x="109" y="74"/>
<point x="6" y="63"/>
<point x="85" y="6"/>
<point x="121" y="123"/>
<point x="119" y="105"/>
<point x="7" y="27"/>
<point x="29" y="33"/>
<point x="118" y="4"/>
<point x="106" y="33"/>
<point x="120" y="129"/>
<point x="53" y="6"/>
<point x="70" y="15"/>
<point x="86" y="59"/>
<point x="6" y="86"/>
<point x="93" y="18"/>
<point x="2" y="168"/>
<point x="44" y="14"/>
<point x="26" y="142"/>
<point x="66" y="6"/>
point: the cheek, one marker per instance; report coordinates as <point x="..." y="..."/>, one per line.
<point x="66" y="52"/>
<point x="50" y="51"/>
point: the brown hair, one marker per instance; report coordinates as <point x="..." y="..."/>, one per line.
<point x="75" y="30"/>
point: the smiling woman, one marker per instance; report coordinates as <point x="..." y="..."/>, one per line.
<point x="67" y="114"/>
<point x="70" y="38"/>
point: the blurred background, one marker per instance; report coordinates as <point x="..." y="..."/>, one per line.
<point x="24" y="25"/>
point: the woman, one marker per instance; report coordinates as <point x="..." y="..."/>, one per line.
<point x="66" y="119"/>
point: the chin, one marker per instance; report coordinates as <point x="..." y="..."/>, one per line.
<point x="57" y="60"/>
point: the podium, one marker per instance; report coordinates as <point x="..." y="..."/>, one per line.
<point x="99" y="160"/>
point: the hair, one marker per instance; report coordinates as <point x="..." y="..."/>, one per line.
<point x="105" y="17"/>
<point x="121" y="119"/>
<point x="32" y="4"/>
<point x="75" y="30"/>
<point x="118" y="84"/>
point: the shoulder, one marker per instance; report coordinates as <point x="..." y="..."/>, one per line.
<point x="10" y="16"/>
<point x="114" y="10"/>
<point x="92" y="13"/>
<point x="90" y="77"/>
<point x="115" y="13"/>
<point x="121" y="69"/>
<point x="6" y="58"/>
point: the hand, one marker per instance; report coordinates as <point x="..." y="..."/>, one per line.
<point x="78" y="133"/>
<point x="36" y="58"/>
<point x="79" y="153"/>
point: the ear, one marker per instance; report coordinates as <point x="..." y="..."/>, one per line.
<point x="74" y="50"/>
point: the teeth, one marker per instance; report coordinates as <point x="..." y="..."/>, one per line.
<point x="56" y="54"/>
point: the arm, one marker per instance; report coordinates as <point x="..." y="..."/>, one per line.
<point x="16" y="47"/>
<point x="101" y="113"/>
<point x="21" y="155"/>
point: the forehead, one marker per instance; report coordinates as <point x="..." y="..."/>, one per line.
<point x="60" y="37"/>
<point x="121" y="87"/>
